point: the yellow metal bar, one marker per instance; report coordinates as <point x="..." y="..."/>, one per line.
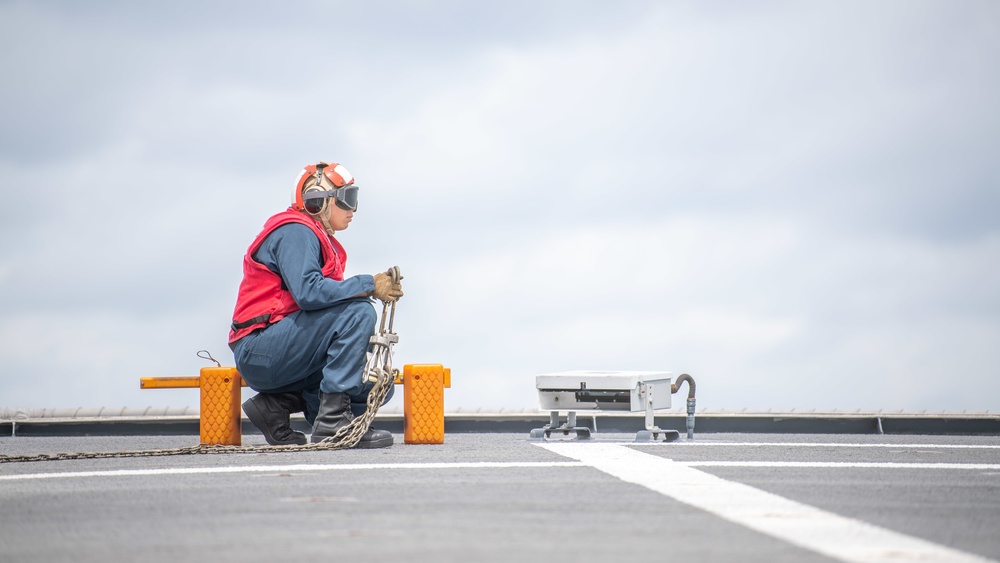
<point x="177" y="382"/>
<point x="398" y="380"/>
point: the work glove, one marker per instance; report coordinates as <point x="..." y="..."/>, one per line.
<point x="385" y="289"/>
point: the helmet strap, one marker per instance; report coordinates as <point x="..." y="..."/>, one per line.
<point x="326" y="224"/>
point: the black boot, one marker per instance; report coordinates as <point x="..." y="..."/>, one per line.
<point x="269" y="412"/>
<point x="335" y="413"/>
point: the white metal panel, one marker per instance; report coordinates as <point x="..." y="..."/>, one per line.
<point x="559" y="391"/>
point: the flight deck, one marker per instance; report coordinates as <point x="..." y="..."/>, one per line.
<point x="506" y="497"/>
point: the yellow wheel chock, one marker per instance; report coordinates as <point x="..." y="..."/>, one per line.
<point x="220" y="420"/>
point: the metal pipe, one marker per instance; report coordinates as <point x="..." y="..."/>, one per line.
<point x="690" y="401"/>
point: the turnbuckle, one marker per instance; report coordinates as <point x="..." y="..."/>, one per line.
<point x="382" y="341"/>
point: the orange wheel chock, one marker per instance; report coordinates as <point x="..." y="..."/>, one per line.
<point x="423" y="402"/>
<point x="219" y="419"/>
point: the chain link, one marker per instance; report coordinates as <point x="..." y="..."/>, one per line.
<point x="378" y="372"/>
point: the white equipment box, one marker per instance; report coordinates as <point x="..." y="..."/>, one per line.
<point x="634" y="391"/>
<point x="604" y="390"/>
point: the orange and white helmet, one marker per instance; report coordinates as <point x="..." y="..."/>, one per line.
<point x="332" y="181"/>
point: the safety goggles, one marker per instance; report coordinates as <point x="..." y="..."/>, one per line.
<point x="346" y="198"/>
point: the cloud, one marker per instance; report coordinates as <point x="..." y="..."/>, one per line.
<point x="794" y="203"/>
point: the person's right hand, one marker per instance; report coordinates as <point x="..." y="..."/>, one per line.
<point x="385" y="289"/>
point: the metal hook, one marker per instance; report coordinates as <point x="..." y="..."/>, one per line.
<point x="387" y="307"/>
<point x="394" y="274"/>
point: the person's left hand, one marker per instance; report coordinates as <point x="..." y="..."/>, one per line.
<point x="386" y="289"/>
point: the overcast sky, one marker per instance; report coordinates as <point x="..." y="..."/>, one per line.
<point x="798" y="203"/>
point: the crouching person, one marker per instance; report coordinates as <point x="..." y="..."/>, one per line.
<point x="300" y="330"/>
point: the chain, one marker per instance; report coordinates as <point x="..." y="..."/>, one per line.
<point x="378" y="372"/>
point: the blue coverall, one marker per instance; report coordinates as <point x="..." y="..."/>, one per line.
<point x="321" y="347"/>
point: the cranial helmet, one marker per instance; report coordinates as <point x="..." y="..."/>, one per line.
<point x="318" y="184"/>
<point x="329" y="181"/>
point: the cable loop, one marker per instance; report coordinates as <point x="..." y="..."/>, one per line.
<point x="208" y="356"/>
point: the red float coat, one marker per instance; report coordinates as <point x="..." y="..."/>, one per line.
<point x="262" y="299"/>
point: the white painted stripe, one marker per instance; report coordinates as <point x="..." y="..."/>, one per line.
<point x="843" y="465"/>
<point x="824" y="445"/>
<point x="287" y="469"/>
<point x="339" y="169"/>
<point x="834" y="536"/>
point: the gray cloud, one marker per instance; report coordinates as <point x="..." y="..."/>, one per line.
<point x="774" y="197"/>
